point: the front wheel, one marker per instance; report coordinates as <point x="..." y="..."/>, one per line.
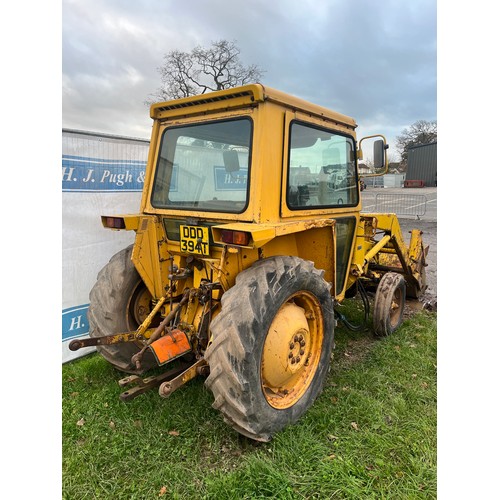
<point x="271" y="346"/>
<point x="389" y="304"/>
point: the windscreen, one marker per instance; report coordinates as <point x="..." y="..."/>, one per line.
<point x="204" y="167"/>
<point x="321" y="170"/>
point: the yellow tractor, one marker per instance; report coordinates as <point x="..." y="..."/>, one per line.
<point x="249" y="235"/>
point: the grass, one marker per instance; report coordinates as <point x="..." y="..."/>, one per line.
<point x="371" y="433"/>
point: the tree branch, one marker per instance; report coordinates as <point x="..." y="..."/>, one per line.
<point x="204" y="69"/>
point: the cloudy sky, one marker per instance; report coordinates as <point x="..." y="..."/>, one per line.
<point x="374" y="61"/>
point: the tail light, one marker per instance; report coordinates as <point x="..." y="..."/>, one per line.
<point x="113" y="222"/>
<point x="235" y="237"/>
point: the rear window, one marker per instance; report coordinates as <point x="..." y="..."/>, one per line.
<point x="204" y="167"/>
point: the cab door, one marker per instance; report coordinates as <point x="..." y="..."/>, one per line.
<point x="320" y="182"/>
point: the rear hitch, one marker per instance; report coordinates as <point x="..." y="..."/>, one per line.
<point x="140" y="385"/>
<point x="118" y="338"/>
<point x="160" y="330"/>
<point x="168" y="381"/>
<point x="198" y="368"/>
<point x="142" y="333"/>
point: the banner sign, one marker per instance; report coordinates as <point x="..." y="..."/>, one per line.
<point x="74" y="322"/>
<point x="81" y="173"/>
<point x="101" y="175"/>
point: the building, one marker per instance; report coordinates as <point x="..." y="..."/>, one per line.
<point x="422" y="164"/>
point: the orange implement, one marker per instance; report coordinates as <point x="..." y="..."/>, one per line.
<point x="170" y="346"/>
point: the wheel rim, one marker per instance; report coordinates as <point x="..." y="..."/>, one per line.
<point x="396" y="308"/>
<point x="139" y="306"/>
<point x="292" y="350"/>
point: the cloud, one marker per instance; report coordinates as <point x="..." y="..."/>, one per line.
<point x="375" y="61"/>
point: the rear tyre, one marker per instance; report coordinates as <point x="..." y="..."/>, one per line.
<point x="271" y="346"/>
<point x="119" y="302"/>
<point x="389" y="304"/>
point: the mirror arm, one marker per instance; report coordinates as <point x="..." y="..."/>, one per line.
<point x="359" y="154"/>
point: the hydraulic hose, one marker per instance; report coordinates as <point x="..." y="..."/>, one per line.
<point x="366" y="306"/>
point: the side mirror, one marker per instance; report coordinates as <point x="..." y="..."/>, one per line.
<point x="378" y="154"/>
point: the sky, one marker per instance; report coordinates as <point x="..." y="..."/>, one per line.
<point x="374" y="61"/>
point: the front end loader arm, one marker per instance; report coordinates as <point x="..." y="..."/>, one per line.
<point x="390" y="252"/>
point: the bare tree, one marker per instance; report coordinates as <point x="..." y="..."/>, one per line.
<point x="421" y="132"/>
<point x="216" y="67"/>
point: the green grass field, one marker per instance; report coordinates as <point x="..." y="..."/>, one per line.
<point x="371" y="434"/>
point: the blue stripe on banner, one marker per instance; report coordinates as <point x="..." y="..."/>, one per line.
<point x="74" y="322"/>
<point x="96" y="174"/>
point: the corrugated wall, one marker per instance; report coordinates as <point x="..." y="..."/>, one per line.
<point x="422" y="164"/>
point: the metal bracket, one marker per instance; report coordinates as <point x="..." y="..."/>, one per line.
<point x="144" y="385"/>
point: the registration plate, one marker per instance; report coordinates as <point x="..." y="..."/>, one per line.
<point x="194" y="239"/>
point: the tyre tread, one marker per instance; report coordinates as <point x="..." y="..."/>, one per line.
<point x="234" y="343"/>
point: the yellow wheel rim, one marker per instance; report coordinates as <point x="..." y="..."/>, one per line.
<point x="139" y="306"/>
<point x="292" y="350"/>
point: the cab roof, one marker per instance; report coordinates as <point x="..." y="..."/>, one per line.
<point x="240" y="97"/>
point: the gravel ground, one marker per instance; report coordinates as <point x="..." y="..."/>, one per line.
<point x="429" y="237"/>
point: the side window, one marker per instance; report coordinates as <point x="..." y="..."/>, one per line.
<point x="321" y="168"/>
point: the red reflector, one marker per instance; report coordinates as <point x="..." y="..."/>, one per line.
<point x="241" y="238"/>
<point x="226" y="236"/>
<point x="114" y="222"/>
<point x="235" y="237"/>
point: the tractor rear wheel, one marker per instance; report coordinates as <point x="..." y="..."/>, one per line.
<point x="389" y="304"/>
<point x="120" y="302"/>
<point x="271" y="346"/>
